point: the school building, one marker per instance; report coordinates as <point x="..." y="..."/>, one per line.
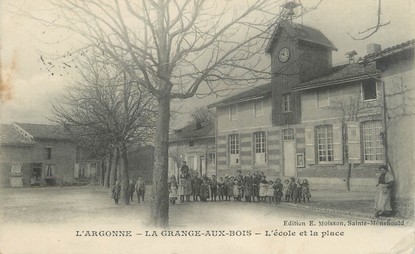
<point x="322" y="122"/>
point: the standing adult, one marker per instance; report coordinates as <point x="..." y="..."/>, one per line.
<point x="184" y="169"/>
<point x="188" y="187"/>
<point x="248" y="186"/>
<point x="383" y="199"/>
<point x="213" y="188"/>
<point x="240" y="182"/>
<point x="196" y="183"/>
<point x="255" y="186"/>
<point x="140" y="188"/>
<point x="116" y="190"/>
<point x="131" y="189"/>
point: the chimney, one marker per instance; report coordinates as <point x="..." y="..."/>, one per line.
<point x="350" y="55"/>
<point x="373" y="48"/>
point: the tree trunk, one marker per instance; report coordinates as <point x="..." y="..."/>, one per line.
<point x="125" y="197"/>
<point x="160" y="194"/>
<point x="108" y="171"/>
<point x="102" y="172"/>
<point x="113" y="173"/>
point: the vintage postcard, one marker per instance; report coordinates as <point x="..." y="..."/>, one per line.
<point x="207" y="126"/>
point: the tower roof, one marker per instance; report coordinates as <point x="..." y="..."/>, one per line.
<point x="302" y="33"/>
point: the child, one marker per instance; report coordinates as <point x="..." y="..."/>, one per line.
<point x="287" y="190"/>
<point x="182" y="184"/>
<point x="221" y="188"/>
<point x="297" y="191"/>
<point x="305" y="190"/>
<point x="235" y="190"/>
<point x="173" y="190"/>
<point x="278" y="187"/>
<point x="263" y="189"/>
<point x="270" y="192"/>
<point x="230" y="188"/>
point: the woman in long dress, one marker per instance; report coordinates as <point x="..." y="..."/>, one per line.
<point x="382" y="199"/>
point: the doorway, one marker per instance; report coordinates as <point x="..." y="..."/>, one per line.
<point x="289" y="159"/>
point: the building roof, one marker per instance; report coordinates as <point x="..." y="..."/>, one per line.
<point x="10" y="135"/>
<point x="191" y="132"/>
<point x="389" y="51"/>
<point x="45" y="131"/>
<point x="341" y="74"/>
<point x="250" y="94"/>
<point x="301" y="32"/>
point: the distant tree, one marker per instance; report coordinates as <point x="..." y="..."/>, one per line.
<point x="203" y="114"/>
<point x="109" y="111"/>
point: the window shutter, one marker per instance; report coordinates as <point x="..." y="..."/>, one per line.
<point x="310" y="156"/>
<point x="338" y="143"/>
<point x="353" y="142"/>
<point x="76" y="170"/>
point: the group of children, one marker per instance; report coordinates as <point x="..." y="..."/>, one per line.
<point x="255" y="188"/>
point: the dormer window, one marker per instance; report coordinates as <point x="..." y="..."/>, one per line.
<point x="369" y="90"/>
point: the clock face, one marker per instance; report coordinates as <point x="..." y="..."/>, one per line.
<point x="284" y="55"/>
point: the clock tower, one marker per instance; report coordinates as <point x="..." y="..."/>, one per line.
<point x="298" y="53"/>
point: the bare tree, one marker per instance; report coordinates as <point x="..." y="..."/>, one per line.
<point x="174" y="48"/>
<point x="351" y="109"/>
<point x="110" y="110"/>
<point x="203" y="115"/>
<point x="374" y="29"/>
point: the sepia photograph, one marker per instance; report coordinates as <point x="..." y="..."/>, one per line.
<point x="207" y="126"/>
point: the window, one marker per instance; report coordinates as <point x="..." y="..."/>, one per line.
<point x="300" y="160"/>
<point x="47" y="154"/>
<point x="258" y="108"/>
<point x="82" y="170"/>
<point x="36" y="170"/>
<point x="50" y="170"/>
<point x="233" y="112"/>
<point x="288" y="134"/>
<point x="260" y="148"/>
<point x="369" y="90"/>
<point x="322" y="98"/>
<point x="16" y="168"/>
<point x="286" y="103"/>
<point x="372" y="141"/>
<point x="234" y="149"/>
<point x="325" y="143"/>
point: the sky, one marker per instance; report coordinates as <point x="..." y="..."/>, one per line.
<point x="33" y="88"/>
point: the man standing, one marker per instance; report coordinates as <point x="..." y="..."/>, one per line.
<point x="185" y="169"/>
<point x="116" y="190"/>
<point x="213" y="188"/>
<point x="196" y="183"/>
<point x="255" y="186"/>
<point x="248" y="186"/>
<point x="140" y="188"/>
<point x="131" y="190"/>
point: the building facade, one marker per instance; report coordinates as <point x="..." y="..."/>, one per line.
<point x="317" y="121"/>
<point x="195" y="144"/>
<point x="35" y="154"/>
